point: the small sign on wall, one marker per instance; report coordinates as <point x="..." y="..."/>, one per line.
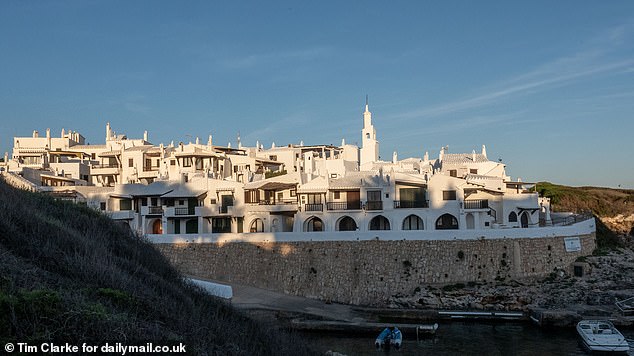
<point x="573" y="244"/>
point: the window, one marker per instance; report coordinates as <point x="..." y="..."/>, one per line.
<point x="374" y="195"/>
<point x="102" y="206"/>
<point x="346" y="224"/>
<point x="280" y="196"/>
<point x="181" y="202"/>
<point x="125" y="204"/>
<point x="512" y="217"/>
<point x="413" y="222"/>
<point x="143" y="201"/>
<point x="257" y="226"/>
<point x="314" y="224"/>
<point x="172" y="162"/>
<point x="273" y="158"/>
<point x="449" y="195"/>
<point x="131" y="162"/>
<point x="154" y="201"/>
<point x="314" y="198"/>
<point x="453" y="173"/>
<point x="379" y="223"/>
<point x="93" y="156"/>
<point x="333" y="175"/>
<point x="473" y="171"/>
<point x="337" y="195"/>
<point x="447" y="222"/>
<point x="187" y="162"/>
<point x="293" y="193"/>
<point x="251" y="196"/>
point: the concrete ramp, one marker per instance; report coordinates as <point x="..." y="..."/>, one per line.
<point x="215" y="289"/>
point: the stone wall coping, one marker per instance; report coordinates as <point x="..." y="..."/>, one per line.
<point x="578" y="229"/>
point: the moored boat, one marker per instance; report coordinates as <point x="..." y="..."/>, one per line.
<point x="601" y="335"/>
<point x="391" y="336"/>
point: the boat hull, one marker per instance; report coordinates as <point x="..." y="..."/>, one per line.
<point x="601" y="336"/>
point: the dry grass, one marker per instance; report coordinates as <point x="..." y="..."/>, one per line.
<point x="69" y="274"/>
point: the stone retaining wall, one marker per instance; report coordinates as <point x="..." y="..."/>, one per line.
<point x="369" y="272"/>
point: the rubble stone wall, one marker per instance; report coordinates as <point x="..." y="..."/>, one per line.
<point x="370" y="272"/>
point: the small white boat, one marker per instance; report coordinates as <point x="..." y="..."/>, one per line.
<point x="601" y="335"/>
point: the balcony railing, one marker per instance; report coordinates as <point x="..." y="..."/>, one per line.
<point x="374" y="205"/>
<point x="105" y="165"/>
<point x="476" y="204"/>
<point x="150" y="169"/>
<point x="410" y="204"/>
<point x="314" y="207"/>
<point x="224" y="209"/>
<point x="343" y="205"/>
<point x="155" y="210"/>
<point x="184" y="211"/>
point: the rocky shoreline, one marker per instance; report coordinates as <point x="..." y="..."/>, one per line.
<point x="559" y="299"/>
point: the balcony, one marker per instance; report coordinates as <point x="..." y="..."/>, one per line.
<point x="271" y="206"/>
<point x="476" y="204"/>
<point x="410" y="204"/>
<point x="151" y="210"/>
<point x="121" y="215"/>
<point x="104" y="169"/>
<point x="374" y="205"/>
<point x="172" y="211"/>
<point x="343" y="205"/>
<point x="314" y="207"/>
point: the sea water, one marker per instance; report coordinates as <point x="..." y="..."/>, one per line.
<point x="470" y="338"/>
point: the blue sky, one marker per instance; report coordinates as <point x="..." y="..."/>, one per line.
<point x="548" y="86"/>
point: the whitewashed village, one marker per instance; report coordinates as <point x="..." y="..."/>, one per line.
<point x="204" y="188"/>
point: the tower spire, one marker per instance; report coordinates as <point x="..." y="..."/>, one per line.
<point x="366" y="103"/>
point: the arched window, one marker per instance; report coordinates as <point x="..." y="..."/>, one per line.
<point x="379" y="223"/>
<point x="257" y="225"/>
<point x="313" y="224"/>
<point x="512" y="217"/>
<point x="413" y="222"/>
<point x="524" y="219"/>
<point x="447" y="222"/>
<point x="346" y="223"/>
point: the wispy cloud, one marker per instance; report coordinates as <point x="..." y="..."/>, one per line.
<point x="593" y="60"/>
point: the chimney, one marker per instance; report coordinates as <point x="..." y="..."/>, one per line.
<point x="484" y="151"/>
<point x="145" y="137"/>
<point x="36" y="134"/>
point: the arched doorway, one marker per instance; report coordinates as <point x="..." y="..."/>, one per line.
<point x="379" y="223"/>
<point x="313" y="224"/>
<point x="447" y="222"/>
<point x="275" y="225"/>
<point x="346" y="223"/>
<point x="157" y="227"/>
<point x="524" y="219"/>
<point x="257" y="225"/>
<point x="413" y="222"/>
<point x="470" y="221"/>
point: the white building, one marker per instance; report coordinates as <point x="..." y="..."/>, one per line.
<point x="202" y="188"/>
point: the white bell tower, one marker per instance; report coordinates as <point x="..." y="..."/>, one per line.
<point x="369" y="146"/>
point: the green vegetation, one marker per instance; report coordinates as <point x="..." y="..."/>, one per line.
<point x="601" y="201"/>
<point x="271" y="174"/>
<point x="70" y="274"/>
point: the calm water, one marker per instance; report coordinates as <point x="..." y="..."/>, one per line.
<point x="468" y="338"/>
